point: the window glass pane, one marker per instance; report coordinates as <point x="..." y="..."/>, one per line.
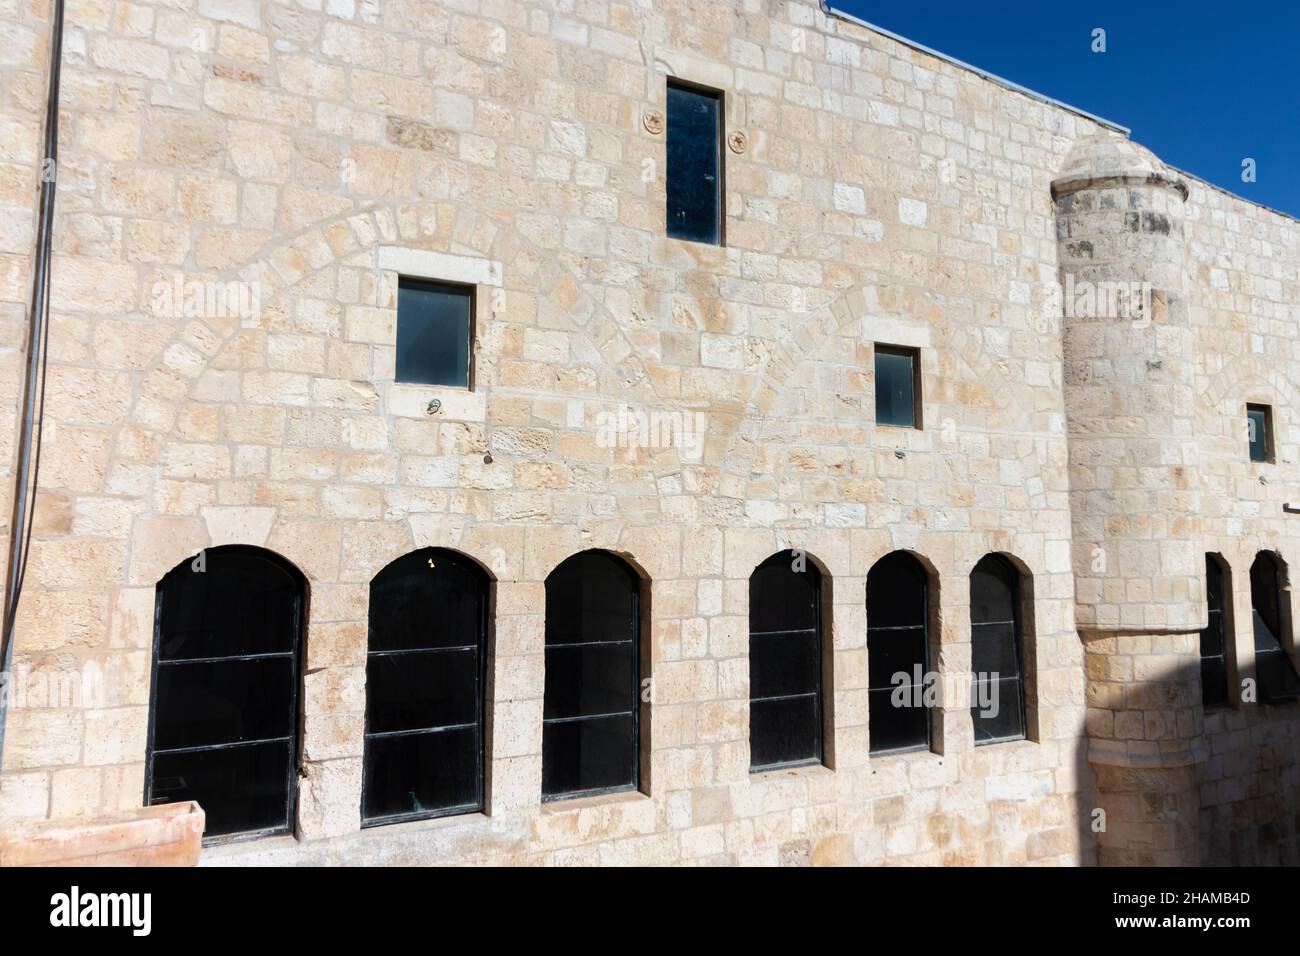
<point x="433" y="323"/>
<point x="588" y="755"/>
<point x="896" y="728"/>
<point x="996" y="710"/>
<point x="897" y="643"/>
<point x="241" y="789"/>
<point x="694" y="177"/>
<point x="422" y="774"/>
<point x="784" y="664"/>
<point x="222" y="702"/>
<point x="592" y="641"/>
<point x="225" y="673"/>
<point x="993" y="650"/>
<point x="784" y="731"/>
<point x="782" y="598"/>
<point x="895" y="400"/>
<point x="418" y="691"/>
<point x="240" y="603"/>
<point x="588" y="679"/>
<point x="1257" y="416"/>
<point x="424" y="684"/>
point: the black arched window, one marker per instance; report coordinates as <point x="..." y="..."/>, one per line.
<point x="425" y="674"/>
<point x="898" y="654"/>
<point x="997" y="661"/>
<point x="1273" y="668"/>
<point x="1214" y="669"/>
<point x="223" y="723"/>
<point x="590" y="738"/>
<point x="785" y="663"/>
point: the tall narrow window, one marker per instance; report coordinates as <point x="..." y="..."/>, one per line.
<point x="1214" y="669"/>
<point x="897" y="392"/>
<point x="785" y="663"/>
<point x="1274" y="671"/>
<point x="223" y="723"/>
<point x="425" y="674"/>
<point x="434" y="331"/>
<point x="590" y="740"/>
<point x="997" y="661"/>
<point x="1259" y="431"/>
<point x="898" y="654"/>
<point x="694" y="164"/>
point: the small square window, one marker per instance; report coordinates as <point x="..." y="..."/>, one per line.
<point x="898" y="377"/>
<point x="694" y="164"/>
<point x="1259" y="420"/>
<point x="434" y="323"/>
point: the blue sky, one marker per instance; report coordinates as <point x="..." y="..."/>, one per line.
<point x="1203" y="84"/>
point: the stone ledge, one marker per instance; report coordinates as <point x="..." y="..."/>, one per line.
<point x="165" y="835"/>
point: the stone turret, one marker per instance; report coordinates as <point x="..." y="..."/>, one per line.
<point x="1134" y="495"/>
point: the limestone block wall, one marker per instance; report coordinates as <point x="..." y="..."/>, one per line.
<point x="1246" y="283"/>
<point x="315" y="151"/>
<point x="884" y="196"/>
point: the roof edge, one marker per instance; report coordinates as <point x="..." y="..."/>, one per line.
<point x="991" y="77"/>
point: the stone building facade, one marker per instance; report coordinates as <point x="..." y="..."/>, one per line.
<point x="315" y="150"/>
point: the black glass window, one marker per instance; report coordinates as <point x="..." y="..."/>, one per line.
<point x="424" y="688"/>
<point x="785" y="663"/>
<point x="1214" y="670"/>
<point x="997" y="693"/>
<point x="896" y="380"/>
<point x="224" y="722"/>
<point x="1275" y="674"/>
<point x="1259" y="422"/>
<point x="589" y="726"/>
<point x="898" y="654"/>
<point x="694" y="164"/>
<point x="433" y="332"/>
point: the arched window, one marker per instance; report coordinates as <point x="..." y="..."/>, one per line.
<point x="590" y="740"/>
<point x="898" y="654"/>
<point x="425" y="677"/>
<point x="1214" y="669"/>
<point x="1273" y="668"/>
<point x="785" y="663"/>
<point x="223" y="723"/>
<point x="997" y="660"/>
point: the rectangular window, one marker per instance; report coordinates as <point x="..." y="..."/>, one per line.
<point x="898" y="376"/>
<point x="434" y="323"/>
<point x="1260" y="431"/>
<point x="694" y="164"/>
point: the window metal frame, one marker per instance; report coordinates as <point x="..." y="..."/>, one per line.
<point x="470" y="292"/>
<point x="902" y="351"/>
<point x="1017" y="613"/>
<point x="1224" y="617"/>
<point x="635" y="713"/>
<point x="720" y="148"/>
<point x="819" y="747"/>
<point x="1266" y="411"/>
<point x="928" y="745"/>
<point x="296" y="696"/>
<point x="480" y="690"/>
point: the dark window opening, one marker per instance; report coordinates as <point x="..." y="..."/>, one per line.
<point x="425" y="678"/>
<point x="898" y="375"/>
<point x="434" y="331"/>
<point x="785" y="663"/>
<point x="223" y="723"/>
<point x="590" y="733"/>
<point x="1214" y="666"/>
<point x="1274" y="672"/>
<point x="1259" y="421"/>
<point x="694" y="156"/>
<point x="898" y="654"/>
<point x="998" y="697"/>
